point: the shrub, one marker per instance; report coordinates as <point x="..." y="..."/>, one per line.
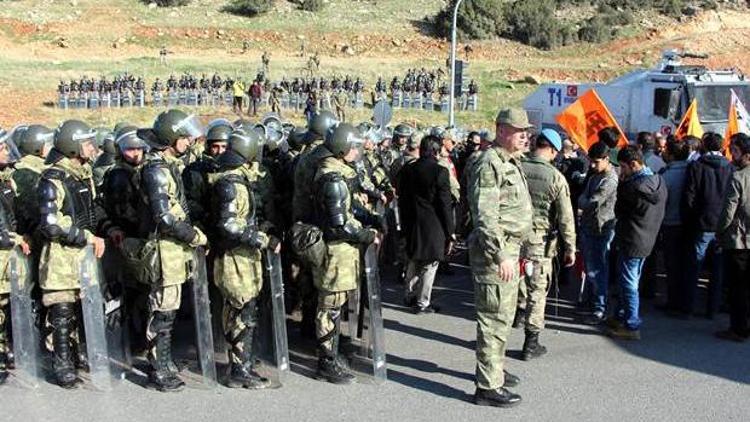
<point x="249" y="7"/>
<point x="312" y="5"/>
<point x="168" y="3"/>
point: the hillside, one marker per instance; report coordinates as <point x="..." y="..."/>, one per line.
<point x="44" y="41"/>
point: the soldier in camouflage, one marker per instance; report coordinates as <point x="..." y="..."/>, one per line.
<point x="344" y="235"/>
<point x="501" y="210"/>
<point x="553" y="218"/>
<point x="68" y="220"/>
<point x="127" y="226"/>
<point x="164" y="193"/>
<point x="303" y="205"/>
<point x="9" y="239"/>
<point x="196" y="175"/>
<point x="243" y="194"/>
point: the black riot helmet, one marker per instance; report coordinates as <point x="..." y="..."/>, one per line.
<point x="172" y="125"/>
<point x="403" y="130"/>
<point x="320" y="124"/>
<point x="342" y="139"/>
<point x="296" y="138"/>
<point x="219" y="133"/>
<point x="69" y="137"/>
<point x="34" y="139"/>
<point x="243" y="147"/>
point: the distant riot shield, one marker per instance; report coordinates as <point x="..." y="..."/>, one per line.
<point x="406" y="101"/>
<point x="202" y="316"/>
<point x="228" y="99"/>
<point x="62" y="101"/>
<point x="156" y="99"/>
<point x="359" y="100"/>
<point x="374" y="338"/>
<point x="94" y="100"/>
<point x="293" y="101"/>
<point x="25" y="333"/>
<point x="181" y="97"/>
<point x="106" y="100"/>
<point x="115" y="100"/>
<point x="127" y="100"/>
<point x="140" y="98"/>
<point x="92" y="306"/>
<point x="444" y="105"/>
<point x="428" y="104"/>
<point x="285" y="100"/>
<point x="281" y="348"/>
<point x="192" y="98"/>
<point x="83" y="101"/>
<point x="473" y="102"/>
<point x="173" y="98"/>
<point x="416" y="102"/>
<point x="217" y="100"/>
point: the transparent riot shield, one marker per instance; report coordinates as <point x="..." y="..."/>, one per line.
<point x="25" y="333"/>
<point x="374" y="339"/>
<point x="62" y="101"/>
<point x="281" y="348"/>
<point x="92" y="306"/>
<point x="202" y="316"/>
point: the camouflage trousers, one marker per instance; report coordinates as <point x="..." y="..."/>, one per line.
<point x="532" y="293"/>
<point x="161" y="299"/>
<point x="328" y="320"/>
<point x="495" y="302"/>
<point x="239" y="325"/>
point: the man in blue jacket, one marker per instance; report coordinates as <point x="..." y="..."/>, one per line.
<point x="641" y="199"/>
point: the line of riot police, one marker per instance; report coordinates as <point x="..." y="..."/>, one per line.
<point x="99" y="227"/>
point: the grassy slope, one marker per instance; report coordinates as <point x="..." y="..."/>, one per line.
<point x="386" y="37"/>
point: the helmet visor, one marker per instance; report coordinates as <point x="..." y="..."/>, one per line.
<point x="6" y="140"/>
<point x="190" y="127"/>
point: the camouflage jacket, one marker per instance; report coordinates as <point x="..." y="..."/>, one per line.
<point x="501" y="209"/>
<point x="553" y="212"/>
<point x="26" y="176"/>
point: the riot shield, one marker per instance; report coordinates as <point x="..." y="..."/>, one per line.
<point x="374" y="340"/>
<point x="202" y="316"/>
<point x="62" y="101"/>
<point x="92" y="307"/>
<point x="173" y="99"/>
<point x="281" y="348"/>
<point x="25" y="333"/>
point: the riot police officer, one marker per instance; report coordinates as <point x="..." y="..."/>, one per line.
<point x="343" y="235"/>
<point x="161" y="184"/>
<point x="243" y="194"/>
<point x="195" y="177"/>
<point x="67" y="224"/>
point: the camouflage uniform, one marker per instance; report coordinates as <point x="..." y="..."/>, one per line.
<point x="550" y="197"/>
<point x="8" y="239"/>
<point x="343" y="234"/>
<point x="198" y="190"/>
<point x="303" y="209"/>
<point x="501" y="209"/>
<point x="68" y="218"/>
<point x="243" y="197"/>
<point x="163" y="192"/>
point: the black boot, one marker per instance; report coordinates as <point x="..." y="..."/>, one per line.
<point x="497" y="398"/>
<point x="3" y="367"/>
<point x="242" y="374"/>
<point x="531" y="347"/>
<point x="330" y="368"/>
<point x="163" y="376"/>
<point x="62" y="317"/>
<point x="519" y="319"/>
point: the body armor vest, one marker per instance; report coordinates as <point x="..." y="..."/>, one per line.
<point x="79" y="199"/>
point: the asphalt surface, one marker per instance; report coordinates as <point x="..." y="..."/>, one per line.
<point x="678" y="371"/>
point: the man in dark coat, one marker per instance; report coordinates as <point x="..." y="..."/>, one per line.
<point x="641" y="201"/>
<point x="706" y="185"/>
<point x="426" y="212"/>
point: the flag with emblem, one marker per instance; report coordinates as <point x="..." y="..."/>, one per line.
<point x="583" y="120"/>
<point x="690" y="124"/>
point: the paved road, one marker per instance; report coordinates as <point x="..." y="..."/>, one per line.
<point x="677" y="372"/>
